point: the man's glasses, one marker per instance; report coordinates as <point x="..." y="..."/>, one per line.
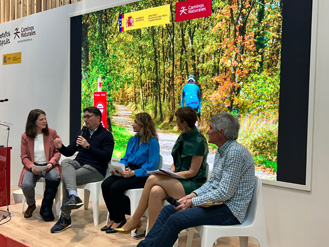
<point x="87" y="116"/>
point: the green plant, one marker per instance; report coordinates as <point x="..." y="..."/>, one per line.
<point x="265" y="144"/>
<point x="259" y="133"/>
<point x="261" y="161"/>
<point x="121" y="137"/>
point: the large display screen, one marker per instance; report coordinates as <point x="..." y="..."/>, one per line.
<point x="250" y="58"/>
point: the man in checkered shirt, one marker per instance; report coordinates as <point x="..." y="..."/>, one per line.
<point x="223" y="199"/>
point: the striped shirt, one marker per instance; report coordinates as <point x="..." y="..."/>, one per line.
<point x="232" y="180"/>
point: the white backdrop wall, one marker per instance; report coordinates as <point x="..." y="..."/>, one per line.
<point x="40" y="81"/>
<point x="294" y="218"/>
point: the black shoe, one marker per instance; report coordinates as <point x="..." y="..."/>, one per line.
<point x="73" y="202"/>
<point x="61" y="225"/>
<point x="139" y="236"/>
<point x="47" y="214"/>
<point x="104" y="228"/>
<point x="46" y="211"/>
<point x="111" y="230"/>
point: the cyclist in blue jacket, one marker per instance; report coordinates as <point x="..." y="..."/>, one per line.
<point x="191" y="92"/>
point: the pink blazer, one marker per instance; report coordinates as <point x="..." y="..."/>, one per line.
<point x="27" y="152"/>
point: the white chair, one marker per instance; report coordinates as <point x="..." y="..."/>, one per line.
<point x="92" y="189"/>
<point x="190" y="231"/>
<point x="57" y="197"/>
<point x="253" y="226"/>
<point x="134" y="197"/>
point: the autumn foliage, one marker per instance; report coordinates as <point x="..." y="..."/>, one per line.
<point x="235" y="55"/>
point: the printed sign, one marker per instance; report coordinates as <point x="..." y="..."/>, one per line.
<point x="144" y="18"/>
<point x="12" y="58"/>
<point x="5" y="38"/>
<point x="193" y="9"/>
<point x="100" y="101"/>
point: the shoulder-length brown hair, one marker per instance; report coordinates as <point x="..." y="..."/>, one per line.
<point x="188" y="115"/>
<point x="30" y="127"/>
<point x="148" y="127"/>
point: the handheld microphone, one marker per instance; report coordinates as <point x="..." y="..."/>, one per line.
<point x="82" y="131"/>
<point x="3" y="100"/>
<point x="172" y="201"/>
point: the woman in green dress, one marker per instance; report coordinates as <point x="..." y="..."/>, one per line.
<point x="190" y="161"/>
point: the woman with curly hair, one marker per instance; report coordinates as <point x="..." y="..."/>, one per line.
<point x="142" y="155"/>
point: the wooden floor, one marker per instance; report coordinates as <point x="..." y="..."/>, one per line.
<point x="35" y="232"/>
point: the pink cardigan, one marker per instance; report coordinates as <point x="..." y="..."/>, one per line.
<point x="27" y="152"/>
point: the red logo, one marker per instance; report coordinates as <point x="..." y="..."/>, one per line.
<point x="193" y="9"/>
<point x="100" y="101"/>
<point x="130" y="22"/>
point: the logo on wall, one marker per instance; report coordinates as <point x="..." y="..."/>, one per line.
<point x="12" y="58"/>
<point x="183" y="10"/>
<point x="24" y="34"/>
<point x="4" y="38"/>
<point x="130" y="22"/>
<point x="16" y="33"/>
<point x="144" y="18"/>
<point x="193" y="9"/>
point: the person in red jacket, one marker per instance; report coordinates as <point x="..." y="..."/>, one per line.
<point x="37" y="149"/>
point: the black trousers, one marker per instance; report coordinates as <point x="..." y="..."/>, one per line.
<point x="113" y="189"/>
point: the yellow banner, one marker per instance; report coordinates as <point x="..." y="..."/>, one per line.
<point x="144" y="18"/>
<point x="12" y="58"/>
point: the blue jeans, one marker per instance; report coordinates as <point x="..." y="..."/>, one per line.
<point x="30" y="180"/>
<point x="170" y="223"/>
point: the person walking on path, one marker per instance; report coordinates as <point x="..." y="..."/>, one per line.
<point x="191" y="95"/>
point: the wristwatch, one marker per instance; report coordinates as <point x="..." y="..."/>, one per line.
<point x="88" y="147"/>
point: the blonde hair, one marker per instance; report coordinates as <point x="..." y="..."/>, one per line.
<point x="147" y="127"/>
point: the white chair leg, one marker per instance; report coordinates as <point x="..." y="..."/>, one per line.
<point x="262" y="241"/>
<point x="190" y="233"/>
<point x="107" y="217"/>
<point x="133" y="233"/>
<point x="134" y="200"/>
<point x="23" y="204"/>
<point x="58" y="200"/>
<point x="243" y="241"/>
<point x="86" y="198"/>
<point x="95" y="202"/>
<point x="147" y="226"/>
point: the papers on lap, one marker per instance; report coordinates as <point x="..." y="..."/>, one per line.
<point x="117" y="168"/>
<point x="38" y="168"/>
<point x="167" y="172"/>
<point x="210" y="204"/>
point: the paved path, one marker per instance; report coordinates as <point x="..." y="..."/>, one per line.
<point x="166" y="140"/>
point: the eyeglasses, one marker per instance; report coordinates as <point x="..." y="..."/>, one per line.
<point x="87" y="116"/>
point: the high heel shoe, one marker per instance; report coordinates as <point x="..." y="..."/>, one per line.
<point x="129" y="230"/>
<point x="105" y="228"/>
<point x="111" y="230"/>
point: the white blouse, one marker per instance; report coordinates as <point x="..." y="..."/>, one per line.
<point x="39" y="150"/>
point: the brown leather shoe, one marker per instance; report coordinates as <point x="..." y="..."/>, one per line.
<point x="29" y="211"/>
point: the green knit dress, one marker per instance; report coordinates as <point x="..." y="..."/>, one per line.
<point x="187" y="145"/>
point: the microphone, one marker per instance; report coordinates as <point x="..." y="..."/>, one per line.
<point x="172" y="201"/>
<point x="3" y="100"/>
<point x="84" y="128"/>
